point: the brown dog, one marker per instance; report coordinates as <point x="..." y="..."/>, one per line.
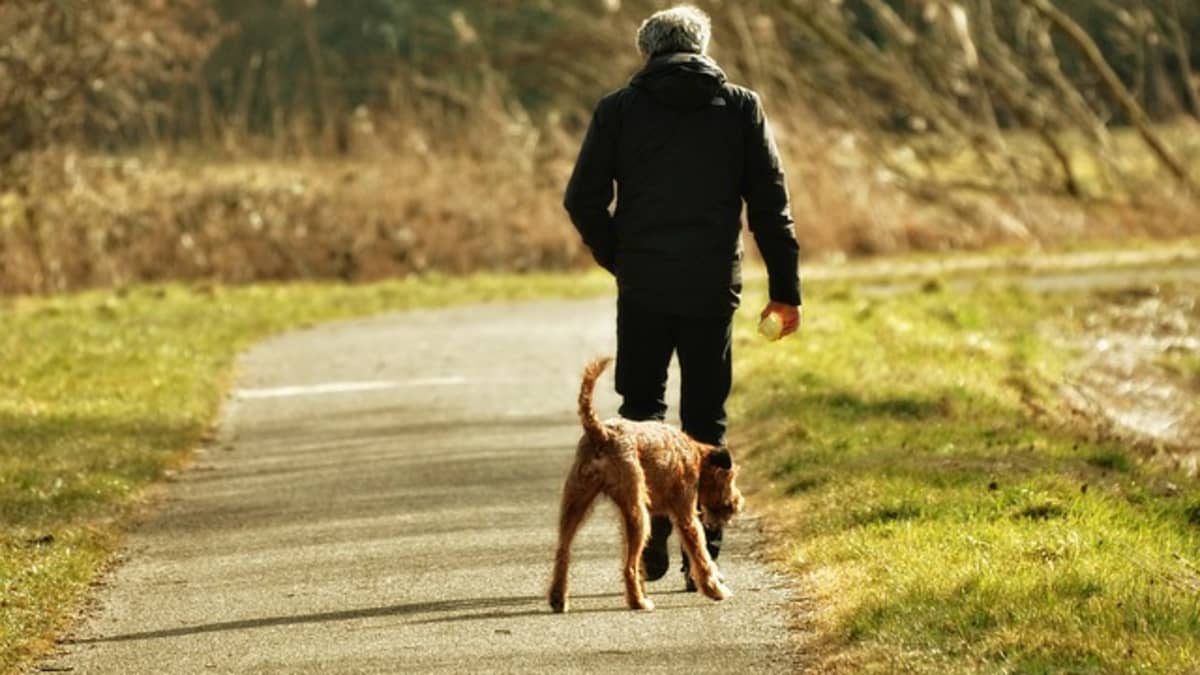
<point x="645" y="468"/>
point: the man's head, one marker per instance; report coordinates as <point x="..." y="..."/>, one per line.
<point x="679" y="29"/>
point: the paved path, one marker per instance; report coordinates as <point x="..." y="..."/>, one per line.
<point x="382" y="498"/>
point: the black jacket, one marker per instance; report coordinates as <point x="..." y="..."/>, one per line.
<point x="684" y="148"/>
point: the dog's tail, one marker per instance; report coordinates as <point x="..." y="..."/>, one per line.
<point x="587" y="414"/>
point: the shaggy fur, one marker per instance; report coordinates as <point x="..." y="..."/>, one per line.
<point x="645" y="468"/>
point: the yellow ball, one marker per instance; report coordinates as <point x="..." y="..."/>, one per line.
<point x="771" y="327"/>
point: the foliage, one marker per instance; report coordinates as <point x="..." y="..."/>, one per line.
<point x="1137" y="38"/>
<point x="146" y="69"/>
<point x="440" y="133"/>
<point x="77" y="69"/>
<point x="963" y="76"/>
<point x="290" y="57"/>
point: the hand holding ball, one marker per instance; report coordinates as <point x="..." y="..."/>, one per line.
<point x="779" y="320"/>
<point x="771" y="327"/>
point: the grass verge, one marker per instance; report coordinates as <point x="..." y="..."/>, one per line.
<point x="103" y="393"/>
<point x="942" y="512"/>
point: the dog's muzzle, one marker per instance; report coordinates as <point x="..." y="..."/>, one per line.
<point x="717" y="516"/>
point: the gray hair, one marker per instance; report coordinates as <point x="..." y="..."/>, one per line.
<point x="680" y="29"/>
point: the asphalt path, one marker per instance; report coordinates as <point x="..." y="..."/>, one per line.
<point x="382" y="497"/>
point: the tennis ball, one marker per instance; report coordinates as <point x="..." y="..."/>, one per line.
<point x="771" y="327"/>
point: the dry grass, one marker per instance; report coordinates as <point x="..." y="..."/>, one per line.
<point x="458" y="164"/>
<point x="95" y="221"/>
<point x="411" y="197"/>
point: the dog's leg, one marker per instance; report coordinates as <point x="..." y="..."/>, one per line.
<point x="629" y="494"/>
<point x="577" y="499"/>
<point x="702" y="569"/>
<point x="637" y="528"/>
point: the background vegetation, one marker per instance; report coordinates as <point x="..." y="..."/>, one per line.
<point x="282" y="139"/>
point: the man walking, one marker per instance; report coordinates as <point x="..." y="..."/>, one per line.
<point x="684" y="149"/>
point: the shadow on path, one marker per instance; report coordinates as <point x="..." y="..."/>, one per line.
<point x="498" y="606"/>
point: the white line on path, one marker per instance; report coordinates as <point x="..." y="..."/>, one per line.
<point x="347" y="387"/>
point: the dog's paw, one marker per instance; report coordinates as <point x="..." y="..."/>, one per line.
<point x="717" y="590"/>
<point x="689" y="584"/>
<point x="641" y="605"/>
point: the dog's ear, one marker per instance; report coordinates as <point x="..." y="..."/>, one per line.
<point x="721" y="459"/>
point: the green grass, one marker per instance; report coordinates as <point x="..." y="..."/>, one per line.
<point x="942" y="513"/>
<point x="942" y="523"/>
<point x="102" y="393"/>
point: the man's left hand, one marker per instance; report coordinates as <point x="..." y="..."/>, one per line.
<point x="788" y="314"/>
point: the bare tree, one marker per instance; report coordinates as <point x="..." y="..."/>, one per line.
<point x="1018" y="85"/>
<point x="1179" y="42"/>
<point x="1112" y="83"/>
<point x="67" y="67"/>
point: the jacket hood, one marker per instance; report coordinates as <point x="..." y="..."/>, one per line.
<point x="681" y="80"/>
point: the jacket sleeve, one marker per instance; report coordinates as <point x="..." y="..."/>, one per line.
<point x="767" y="207"/>
<point x="590" y="190"/>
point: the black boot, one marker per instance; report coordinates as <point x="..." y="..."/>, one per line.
<point x="712" y="539"/>
<point x="655" y="558"/>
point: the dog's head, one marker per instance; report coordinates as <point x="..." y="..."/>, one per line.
<point x="719" y="497"/>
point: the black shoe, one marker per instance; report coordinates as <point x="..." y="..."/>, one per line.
<point x="713" y="539"/>
<point x="655" y="558"/>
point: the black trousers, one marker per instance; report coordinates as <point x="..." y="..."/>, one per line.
<point x="646" y="340"/>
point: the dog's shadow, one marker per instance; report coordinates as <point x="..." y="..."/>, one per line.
<point x="468" y="609"/>
<point x="541" y="609"/>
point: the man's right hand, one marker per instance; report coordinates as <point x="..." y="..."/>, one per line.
<point x="788" y="314"/>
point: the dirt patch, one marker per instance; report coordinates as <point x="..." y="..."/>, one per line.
<point x="1139" y="374"/>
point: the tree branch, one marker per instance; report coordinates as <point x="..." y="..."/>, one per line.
<point x="1096" y="61"/>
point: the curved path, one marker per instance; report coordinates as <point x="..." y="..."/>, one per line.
<point x="382" y="498"/>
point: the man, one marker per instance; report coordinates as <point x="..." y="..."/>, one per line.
<point x="684" y="149"/>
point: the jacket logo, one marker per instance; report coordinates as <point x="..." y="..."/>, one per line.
<point x="718" y="102"/>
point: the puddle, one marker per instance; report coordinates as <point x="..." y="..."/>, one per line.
<point x="1140" y="369"/>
